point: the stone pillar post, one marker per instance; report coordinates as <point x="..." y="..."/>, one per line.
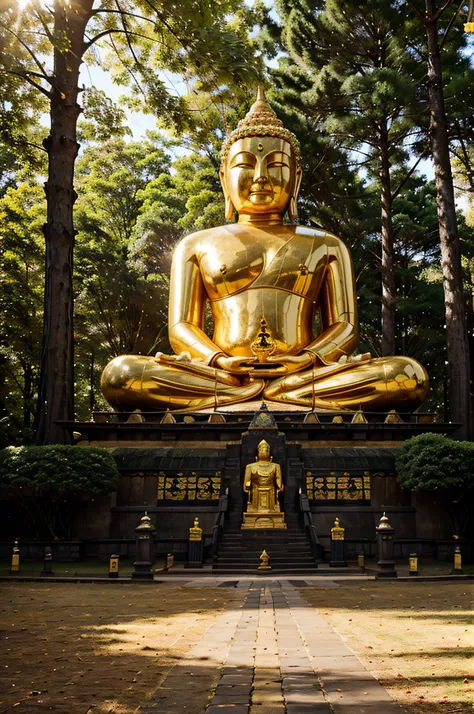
<point x="144" y="549"/>
<point x="385" y="549"/>
<point x="48" y="562"/>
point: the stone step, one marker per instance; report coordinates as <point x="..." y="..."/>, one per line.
<point x="252" y="538"/>
<point x="285" y="552"/>
<point x="280" y="555"/>
<point x="293" y="570"/>
<point x="280" y="571"/>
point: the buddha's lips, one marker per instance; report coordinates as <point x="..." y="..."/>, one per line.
<point x="262" y="192"/>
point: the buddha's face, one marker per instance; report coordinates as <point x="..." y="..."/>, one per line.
<point x="260" y="175"/>
<point x="264" y="452"/>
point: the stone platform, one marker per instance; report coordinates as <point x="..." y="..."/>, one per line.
<point x="178" y="466"/>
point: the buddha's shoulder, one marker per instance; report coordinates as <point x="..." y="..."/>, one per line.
<point x="200" y="239"/>
<point x="194" y="240"/>
<point x="317" y="234"/>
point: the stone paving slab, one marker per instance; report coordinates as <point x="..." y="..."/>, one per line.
<point x="276" y="655"/>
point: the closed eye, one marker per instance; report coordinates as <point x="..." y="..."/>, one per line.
<point x="276" y="164"/>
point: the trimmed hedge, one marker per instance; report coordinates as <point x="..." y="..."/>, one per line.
<point x="59" y="468"/>
<point x="433" y="462"/>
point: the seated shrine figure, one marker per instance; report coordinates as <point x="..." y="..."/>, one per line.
<point x="265" y="282"/>
<point x="263" y="483"/>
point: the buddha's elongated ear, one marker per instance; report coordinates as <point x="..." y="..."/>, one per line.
<point x="229" y="206"/>
<point x="293" y="207"/>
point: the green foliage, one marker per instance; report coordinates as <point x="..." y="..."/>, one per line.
<point x="48" y="484"/>
<point x="102" y="118"/>
<point x="59" y="468"/>
<point x="22" y="214"/>
<point x="437" y="464"/>
<point x="434" y="462"/>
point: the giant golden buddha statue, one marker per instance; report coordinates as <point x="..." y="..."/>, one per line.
<point x="265" y="281"/>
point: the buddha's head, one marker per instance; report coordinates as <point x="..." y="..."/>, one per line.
<point x="260" y="172"/>
<point x="263" y="451"/>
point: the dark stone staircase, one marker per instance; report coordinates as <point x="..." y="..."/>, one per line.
<point x="239" y="552"/>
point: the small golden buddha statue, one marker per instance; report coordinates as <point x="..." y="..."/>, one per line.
<point x="263" y="483"/>
<point x="265" y="282"/>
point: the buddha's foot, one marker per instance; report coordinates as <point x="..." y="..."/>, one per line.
<point x="379" y="384"/>
<point x="137" y="382"/>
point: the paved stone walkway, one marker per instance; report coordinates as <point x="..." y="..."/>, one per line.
<point x="282" y="658"/>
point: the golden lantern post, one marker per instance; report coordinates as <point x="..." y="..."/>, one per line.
<point x="457" y="569"/>
<point x="338" y="546"/>
<point x="114" y="565"/>
<point x="195" y="546"/>
<point x="15" y="564"/>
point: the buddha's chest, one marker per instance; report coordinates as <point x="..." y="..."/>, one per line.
<point x="264" y="474"/>
<point x="296" y="264"/>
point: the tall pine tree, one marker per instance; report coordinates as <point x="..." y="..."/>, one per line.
<point x="362" y="84"/>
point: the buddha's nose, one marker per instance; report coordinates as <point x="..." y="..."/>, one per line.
<point x="260" y="173"/>
<point x="260" y="182"/>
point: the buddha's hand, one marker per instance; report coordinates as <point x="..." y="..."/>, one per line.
<point x="234" y="365"/>
<point x="172" y="359"/>
<point x="286" y="364"/>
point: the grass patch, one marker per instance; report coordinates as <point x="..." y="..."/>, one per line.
<point x="416" y="638"/>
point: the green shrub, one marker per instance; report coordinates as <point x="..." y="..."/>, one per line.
<point x="436" y="463"/>
<point x="49" y="481"/>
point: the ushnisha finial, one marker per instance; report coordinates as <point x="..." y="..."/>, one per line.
<point x="261" y="120"/>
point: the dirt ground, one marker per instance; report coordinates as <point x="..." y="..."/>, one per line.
<point x="416" y="638"/>
<point x="104" y="649"/>
<point x="99" y="649"/>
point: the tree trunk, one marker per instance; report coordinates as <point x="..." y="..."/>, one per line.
<point x="56" y="390"/>
<point x="456" y="332"/>
<point x="388" y="275"/>
<point x="91" y="384"/>
<point x="27" y="394"/>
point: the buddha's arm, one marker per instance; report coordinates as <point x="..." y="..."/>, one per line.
<point x="279" y="480"/>
<point x="338" y="305"/>
<point x="187" y="303"/>
<point x="248" y="478"/>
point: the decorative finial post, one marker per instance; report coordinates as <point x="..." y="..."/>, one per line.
<point x="264" y="561"/>
<point x="385" y="549"/>
<point x="338" y="546"/>
<point x="195" y="546"/>
<point x="144" y="550"/>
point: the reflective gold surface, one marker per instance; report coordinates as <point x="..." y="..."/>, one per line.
<point x="263" y="482"/>
<point x="262" y="269"/>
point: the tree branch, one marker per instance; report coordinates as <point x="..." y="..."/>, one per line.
<point x="419" y="15"/>
<point x="408" y="175"/>
<point x="28" y="49"/>
<point x="441" y="10"/>
<point x="450" y="24"/>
